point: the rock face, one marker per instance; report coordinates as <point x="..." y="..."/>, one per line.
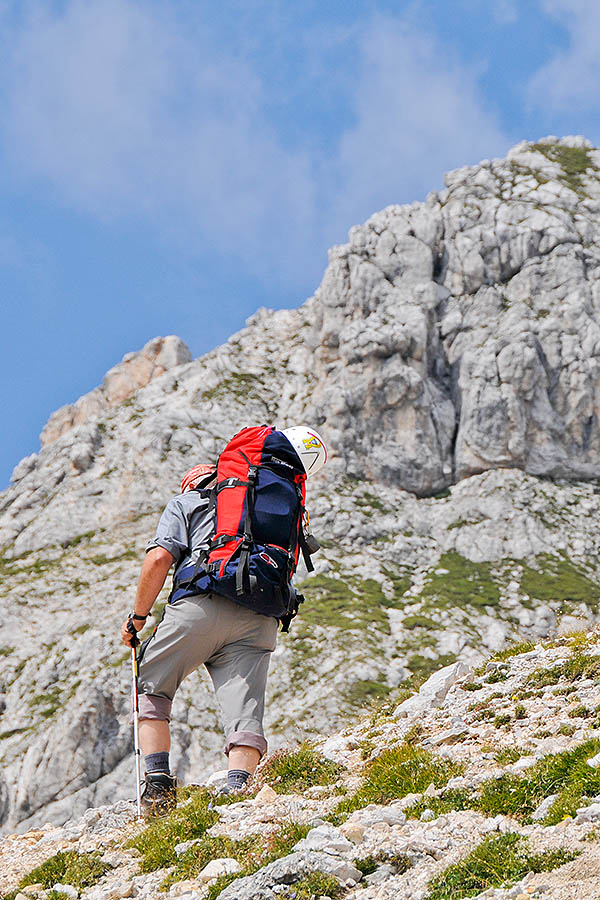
<point x="135" y="371"/>
<point x="461" y="334"/>
<point x="450" y="360"/>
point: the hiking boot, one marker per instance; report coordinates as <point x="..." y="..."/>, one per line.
<point x="160" y="793"/>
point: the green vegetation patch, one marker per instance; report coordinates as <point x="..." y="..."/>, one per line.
<point x="157" y="841"/>
<point x="556" y="579"/>
<point x="451" y="800"/>
<point x="566" y="774"/>
<point x="47" y="703"/>
<point x="74" y="542"/>
<point x="352" y="605"/>
<point x="366" y="691"/>
<point x="574" y="161"/>
<point x="417" y="621"/>
<point x="458" y="582"/>
<point x="252" y="852"/>
<point x="578" y="665"/>
<point x="317" y="884"/>
<point x="397" y="772"/>
<point x="67" y="867"/>
<point x="495" y="862"/>
<point x="423" y="666"/>
<point x="12" y="731"/>
<point x="401" y="862"/>
<point x="245" y="385"/>
<point x="401" y="582"/>
<point x="102" y="559"/>
<point x="368" y="501"/>
<point x="292" y="771"/>
<point x="513" y="650"/>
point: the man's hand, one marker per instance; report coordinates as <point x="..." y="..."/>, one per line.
<point x="156" y="566"/>
<point x="126" y="635"/>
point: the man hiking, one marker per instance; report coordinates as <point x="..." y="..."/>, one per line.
<point x="234" y="535"/>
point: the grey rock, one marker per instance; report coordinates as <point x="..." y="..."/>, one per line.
<point x="287" y="870"/>
<point x="325" y="838"/>
<point x="433" y="692"/>
<point x="374" y="813"/>
<point x="67" y="889"/>
<point x="450" y="736"/>
<point x="183" y="846"/>
<point x="120" y="383"/>
<point x="381" y="873"/>
<point x="543" y="809"/>
<point x="589" y="813"/>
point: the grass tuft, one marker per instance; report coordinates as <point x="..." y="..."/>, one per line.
<point x="566" y="774"/>
<point x="453" y="799"/>
<point x="513" y="650"/>
<point x="496" y="861"/>
<point x="579" y="665"/>
<point x="397" y="772"/>
<point x="252" y="852"/>
<point x="157" y="841"/>
<point x="67" y="867"/>
<point x="292" y="771"/>
<point x="508" y="755"/>
<point x="317" y="884"/>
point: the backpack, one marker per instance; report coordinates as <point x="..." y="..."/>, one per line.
<point x="259" y="534"/>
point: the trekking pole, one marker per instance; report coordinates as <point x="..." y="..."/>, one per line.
<point x="136" y="729"/>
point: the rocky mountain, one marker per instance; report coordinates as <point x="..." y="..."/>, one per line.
<point x="481" y="784"/>
<point x="450" y="360"/>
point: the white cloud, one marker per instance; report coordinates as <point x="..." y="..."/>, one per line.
<point x="418" y="114"/>
<point x="129" y="115"/>
<point x="569" y="81"/>
<point x="505" y="12"/>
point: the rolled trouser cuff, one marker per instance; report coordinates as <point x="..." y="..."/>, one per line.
<point x="154" y="707"/>
<point x="246" y="739"/>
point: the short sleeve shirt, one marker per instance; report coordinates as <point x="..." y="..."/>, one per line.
<point x="185" y="527"/>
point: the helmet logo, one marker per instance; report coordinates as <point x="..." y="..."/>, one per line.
<point x="312" y="442"/>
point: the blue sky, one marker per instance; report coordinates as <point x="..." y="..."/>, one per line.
<point x="168" y="166"/>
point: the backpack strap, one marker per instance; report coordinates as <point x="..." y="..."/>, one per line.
<point x="242" y="579"/>
<point x="293" y="611"/>
<point x="302" y="542"/>
<point x="202" y="555"/>
<point x="304" y="547"/>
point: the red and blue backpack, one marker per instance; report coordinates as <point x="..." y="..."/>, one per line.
<point x="259" y="535"/>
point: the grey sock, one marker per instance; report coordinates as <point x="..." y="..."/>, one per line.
<point x="157" y="762"/>
<point x="237" y="778"/>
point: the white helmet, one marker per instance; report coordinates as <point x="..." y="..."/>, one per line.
<point x="309" y="446"/>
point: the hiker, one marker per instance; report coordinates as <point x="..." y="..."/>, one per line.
<point x="229" y="593"/>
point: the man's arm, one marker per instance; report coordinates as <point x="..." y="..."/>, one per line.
<point x="154" y="572"/>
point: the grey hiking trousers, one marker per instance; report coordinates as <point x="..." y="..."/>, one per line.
<point x="235" y="645"/>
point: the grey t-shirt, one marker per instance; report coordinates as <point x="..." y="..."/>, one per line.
<point x="185" y="527"/>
